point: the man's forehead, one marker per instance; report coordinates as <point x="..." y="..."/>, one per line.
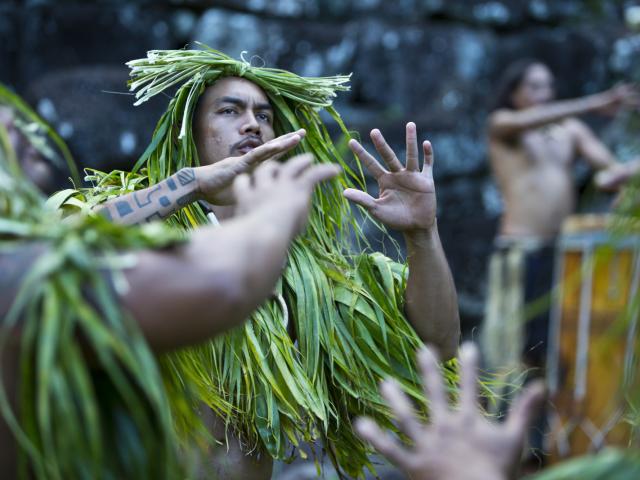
<point x="235" y="87"/>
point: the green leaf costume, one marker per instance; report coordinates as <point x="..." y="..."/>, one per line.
<point x="92" y="400"/>
<point x="345" y="308"/>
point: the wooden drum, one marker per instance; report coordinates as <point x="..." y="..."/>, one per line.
<point x="592" y="340"/>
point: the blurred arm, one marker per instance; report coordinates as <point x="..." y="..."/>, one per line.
<point x="209" y="285"/>
<point x="611" y="173"/>
<point x="507" y="123"/>
<point x="191" y="292"/>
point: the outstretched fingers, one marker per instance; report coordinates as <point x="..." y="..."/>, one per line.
<point x="361" y="198"/>
<point x="367" y="159"/>
<point x="468" y="379"/>
<point x="413" y="160"/>
<point x="273" y="148"/>
<point x="427" y="148"/>
<point x="402" y="408"/>
<point x="382" y="441"/>
<point x="293" y="167"/>
<point x="320" y="173"/>
<point x="432" y="381"/>
<point x="264" y="174"/>
<point x="385" y="151"/>
<point x="525" y="407"/>
<point x="301" y="166"/>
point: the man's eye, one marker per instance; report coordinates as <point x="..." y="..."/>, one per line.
<point x="264" y="116"/>
<point x="228" y="111"/>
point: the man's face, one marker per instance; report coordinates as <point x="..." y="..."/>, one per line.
<point x="233" y="117"/>
<point x="536" y="87"/>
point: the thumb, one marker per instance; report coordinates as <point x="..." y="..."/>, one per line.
<point x="361" y="198"/>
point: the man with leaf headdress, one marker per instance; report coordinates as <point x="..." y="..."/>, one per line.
<point x="311" y="358"/>
<point x="85" y="305"/>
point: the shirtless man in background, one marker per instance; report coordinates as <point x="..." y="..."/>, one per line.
<point x="533" y="142"/>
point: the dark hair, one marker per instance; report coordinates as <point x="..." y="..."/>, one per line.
<point x="510" y="81"/>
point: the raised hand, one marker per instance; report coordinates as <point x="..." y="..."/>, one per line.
<point x="407" y="196"/>
<point x="612" y="178"/>
<point x="458" y="444"/>
<point x="283" y="189"/>
<point x="214" y="180"/>
<point x="209" y="182"/>
<point x="622" y="96"/>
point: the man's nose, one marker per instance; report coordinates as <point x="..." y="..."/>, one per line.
<point x="250" y="124"/>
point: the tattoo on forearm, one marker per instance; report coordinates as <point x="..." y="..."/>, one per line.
<point x="186" y="199"/>
<point x="106" y="213"/>
<point x="155" y="216"/>
<point x="157" y="202"/>
<point x="186" y="176"/>
<point x="144" y="201"/>
<point x="123" y="208"/>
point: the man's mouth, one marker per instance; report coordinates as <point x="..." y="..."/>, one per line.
<point x="247" y="145"/>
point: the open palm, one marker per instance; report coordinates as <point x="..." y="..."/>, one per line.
<point x="458" y="443"/>
<point x="407" y="196"/>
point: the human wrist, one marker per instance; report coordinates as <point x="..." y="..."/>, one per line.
<point x="601" y="100"/>
<point x="196" y="187"/>
<point x="421" y="237"/>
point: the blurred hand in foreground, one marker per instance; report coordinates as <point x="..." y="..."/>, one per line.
<point x="458" y="444"/>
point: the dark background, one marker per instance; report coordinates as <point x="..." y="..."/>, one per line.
<point x="435" y="62"/>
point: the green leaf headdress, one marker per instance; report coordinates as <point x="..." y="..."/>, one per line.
<point x="296" y="101"/>
<point x="346" y="308"/>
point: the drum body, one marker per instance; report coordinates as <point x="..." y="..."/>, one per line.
<point x="592" y="343"/>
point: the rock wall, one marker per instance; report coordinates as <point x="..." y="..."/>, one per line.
<point x="431" y="61"/>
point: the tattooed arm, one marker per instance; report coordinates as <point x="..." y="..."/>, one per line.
<point x="222" y="274"/>
<point x="156" y="202"/>
<point x="187" y="294"/>
<point x="190" y="184"/>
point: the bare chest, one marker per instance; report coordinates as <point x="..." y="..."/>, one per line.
<point x="548" y="145"/>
